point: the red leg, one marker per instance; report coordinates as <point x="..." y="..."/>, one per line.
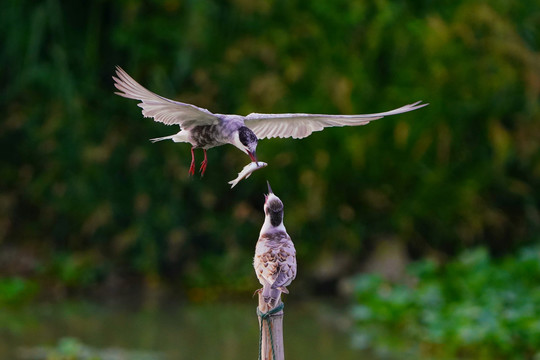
<point x="204" y="163"/>
<point x="192" y="166"/>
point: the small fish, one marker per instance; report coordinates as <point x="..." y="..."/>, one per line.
<point x="246" y="171"/>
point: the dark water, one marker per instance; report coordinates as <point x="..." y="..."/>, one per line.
<point x="317" y="330"/>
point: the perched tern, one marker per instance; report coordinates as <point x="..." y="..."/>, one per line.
<point x="204" y="129"/>
<point x="275" y="256"/>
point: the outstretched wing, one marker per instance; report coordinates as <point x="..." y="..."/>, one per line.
<point x="164" y="110"/>
<point x="299" y="126"/>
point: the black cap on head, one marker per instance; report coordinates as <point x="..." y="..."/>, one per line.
<point x="247" y="136"/>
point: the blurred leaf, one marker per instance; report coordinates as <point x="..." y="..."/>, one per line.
<point x="475" y="305"/>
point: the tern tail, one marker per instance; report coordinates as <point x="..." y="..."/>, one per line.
<point x="162" y="138"/>
<point x="270" y="296"/>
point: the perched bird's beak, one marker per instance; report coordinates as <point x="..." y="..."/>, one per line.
<point x="269" y="188"/>
<point x="252" y="155"/>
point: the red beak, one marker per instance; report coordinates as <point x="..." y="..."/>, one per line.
<point x="253" y="156"/>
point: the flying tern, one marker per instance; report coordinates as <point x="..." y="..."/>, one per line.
<point x="204" y="129"/>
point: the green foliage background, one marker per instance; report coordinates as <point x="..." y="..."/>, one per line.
<point x="475" y="307"/>
<point x="85" y="196"/>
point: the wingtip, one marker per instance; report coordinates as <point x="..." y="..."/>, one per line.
<point x="416" y="105"/>
<point x="120" y="74"/>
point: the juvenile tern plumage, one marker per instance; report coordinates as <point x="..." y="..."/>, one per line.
<point x="275" y="255"/>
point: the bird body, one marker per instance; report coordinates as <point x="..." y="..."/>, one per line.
<point x="204" y="129"/>
<point x="275" y="255"/>
<point x="209" y="136"/>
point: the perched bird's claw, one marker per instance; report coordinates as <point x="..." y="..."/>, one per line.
<point x="258" y="291"/>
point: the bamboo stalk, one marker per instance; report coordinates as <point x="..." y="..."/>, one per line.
<point x="276" y="329"/>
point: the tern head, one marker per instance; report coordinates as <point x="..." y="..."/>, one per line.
<point x="273" y="207"/>
<point x="247" y="142"/>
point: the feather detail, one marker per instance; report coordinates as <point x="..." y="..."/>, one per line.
<point x="275" y="264"/>
<point x="299" y="125"/>
<point x="163" y="110"/>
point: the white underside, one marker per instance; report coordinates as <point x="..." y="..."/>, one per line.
<point x="267" y="227"/>
<point x="182" y="136"/>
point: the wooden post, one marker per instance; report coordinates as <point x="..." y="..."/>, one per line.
<point x="276" y="327"/>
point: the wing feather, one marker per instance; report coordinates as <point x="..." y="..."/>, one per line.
<point x="163" y="110"/>
<point x="299" y="126"/>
